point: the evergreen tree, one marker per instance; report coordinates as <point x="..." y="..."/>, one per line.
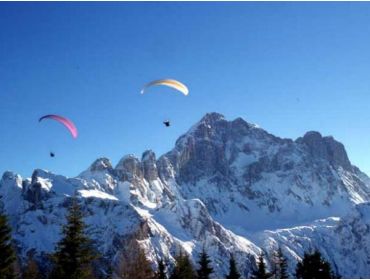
<point x="74" y="255"/>
<point x="183" y="268"/>
<point x="275" y="265"/>
<point x="261" y="273"/>
<point x="313" y="266"/>
<point x="134" y="263"/>
<point x="205" y="269"/>
<point x="279" y="265"/>
<point x="32" y="269"/>
<point x="161" y="272"/>
<point x="283" y="265"/>
<point x="233" y="271"/>
<point x="7" y="254"/>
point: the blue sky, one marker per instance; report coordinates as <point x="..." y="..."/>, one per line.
<point x="289" y="67"/>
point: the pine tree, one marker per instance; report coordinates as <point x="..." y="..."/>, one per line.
<point x="279" y="265"/>
<point x="233" y="271"/>
<point x="261" y="273"/>
<point x="74" y="255"/>
<point x="32" y="269"/>
<point x="275" y="265"/>
<point x="313" y="266"/>
<point x="183" y="268"/>
<point x="7" y="254"/>
<point x="283" y="265"/>
<point x="161" y="272"/>
<point x="134" y="263"/>
<point x="205" y="269"/>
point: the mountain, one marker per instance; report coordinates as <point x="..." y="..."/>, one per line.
<point x="228" y="186"/>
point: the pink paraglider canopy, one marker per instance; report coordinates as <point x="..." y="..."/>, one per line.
<point x="66" y="122"/>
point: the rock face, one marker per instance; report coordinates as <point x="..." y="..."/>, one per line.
<point x="149" y="166"/>
<point x="326" y="148"/>
<point x="227" y="186"/>
<point x="129" y="168"/>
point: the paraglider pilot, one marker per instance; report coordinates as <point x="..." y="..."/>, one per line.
<point x="167" y="123"/>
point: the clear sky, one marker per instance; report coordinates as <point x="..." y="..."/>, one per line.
<point x="288" y="67"/>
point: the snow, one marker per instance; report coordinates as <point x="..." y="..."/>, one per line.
<point x="97" y="194"/>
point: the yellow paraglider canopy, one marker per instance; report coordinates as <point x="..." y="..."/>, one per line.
<point x="168" y="82"/>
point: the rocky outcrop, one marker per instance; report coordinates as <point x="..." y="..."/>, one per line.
<point x="326" y="148"/>
<point x="129" y="168"/>
<point x="101" y="164"/>
<point x="149" y="165"/>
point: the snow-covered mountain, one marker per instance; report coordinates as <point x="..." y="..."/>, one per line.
<point x="229" y="186"/>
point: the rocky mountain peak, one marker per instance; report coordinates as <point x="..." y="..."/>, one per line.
<point x="315" y="144"/>
<point x="326" y="148"/>
<point x="10" y="181"/>
<point x="101" y="164"/>
<point x="8" y="175"/>
<point x="39" y="173"/>
<point x="128" y="168"/>
<point x="211" y="126"/>
<point x="149" y="165"/>
<point x="148" y="156"/>
<point x="212" y="118"/>
<point x="337" y="153"/>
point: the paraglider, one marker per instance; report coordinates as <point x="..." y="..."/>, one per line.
<point x="168" y="82"/>
<point x="66" y="122"/>
<point x="167" y="123"/>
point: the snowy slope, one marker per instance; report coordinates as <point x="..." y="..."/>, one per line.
<point x="229" y="186"/>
